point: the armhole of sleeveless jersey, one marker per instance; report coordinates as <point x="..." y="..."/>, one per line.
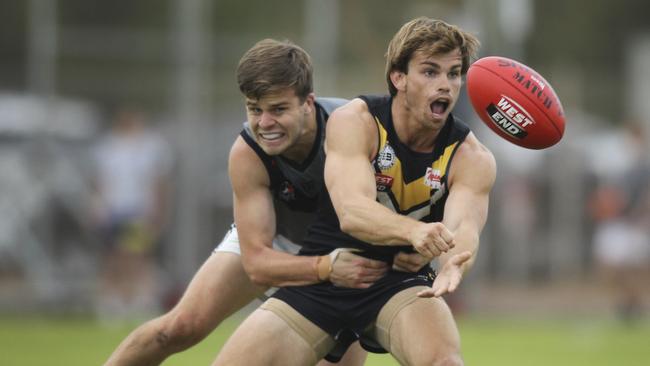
<point x="367" y="101"/>
<point x="266" y="160"/>
<point x="461" y="139"/>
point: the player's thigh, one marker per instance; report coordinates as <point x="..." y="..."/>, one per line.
<point x="265" y="339"/>
<point x="218" y="289"/>
<point x="419" y="330"/>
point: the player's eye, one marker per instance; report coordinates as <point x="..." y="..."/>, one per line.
<point x="254" y="110"/>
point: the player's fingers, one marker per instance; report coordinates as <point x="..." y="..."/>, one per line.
<point x="371" y="263"/>
<point x="461" y="258"/>
<point x="427" y="250"/>
<point x="441" y="245"/>
<point x="403" y="259"/>
<point x="426" y="293"/>
<point x="453" y="285"/>
<point x="440" y="286"/>
<point x="446" y="235"/>
<point x="374" y="274"/>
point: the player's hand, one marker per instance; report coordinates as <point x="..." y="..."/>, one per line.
<point x="354" y="271"/>
<point x="449" y="277"/>
<point x="409" y="262"/>
<point x="432" y="239"/>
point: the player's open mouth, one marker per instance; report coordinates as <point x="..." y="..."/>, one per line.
<point x="439" y="106"/>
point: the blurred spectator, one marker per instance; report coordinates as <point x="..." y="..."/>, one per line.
<point x="621" y="212"/>
<point x="132" y="178"/>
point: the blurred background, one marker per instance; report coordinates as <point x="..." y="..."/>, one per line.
<point x="86" y="85"/>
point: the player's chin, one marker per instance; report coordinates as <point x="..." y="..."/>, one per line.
<point x="437" y="119"/>
<point x="273" y="148"/>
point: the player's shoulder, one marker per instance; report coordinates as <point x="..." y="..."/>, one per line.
<point x="473" y="156"/>
<point x="243" y="157"/>
<point x="240" y="148"/>
<point x="355" y="109"/>
<point x="330" y="104"/>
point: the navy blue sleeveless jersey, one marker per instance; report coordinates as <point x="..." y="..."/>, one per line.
<point x="296" y="188"/>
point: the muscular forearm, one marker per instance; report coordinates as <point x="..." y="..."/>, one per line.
<point x="465" y="241"/>
<point x="269" y="267"/>
<point x="369" y="221"/>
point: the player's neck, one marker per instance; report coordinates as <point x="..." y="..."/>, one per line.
<point x="418" y="136"/>
<point x="303" y="146"/>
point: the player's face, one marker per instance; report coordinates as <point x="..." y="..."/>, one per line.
<point x="279" y="121"/>
<point x="432" y="85"/>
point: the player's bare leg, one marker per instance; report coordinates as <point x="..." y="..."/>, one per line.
<point x="266" y="339"/>
<point x="423" y="332"/>
<point x="218" y="289"/>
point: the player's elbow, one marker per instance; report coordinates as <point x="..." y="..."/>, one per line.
<point x="347" y="222"/>
<point x="254" y="270"/>
<point x="258" y="279"/>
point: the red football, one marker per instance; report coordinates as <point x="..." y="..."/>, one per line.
<point x="515" y="102"/>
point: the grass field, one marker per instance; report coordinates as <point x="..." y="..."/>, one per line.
<point x="37" y="341"/>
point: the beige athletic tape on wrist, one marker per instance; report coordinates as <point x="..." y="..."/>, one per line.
<point x="323" y="267"/>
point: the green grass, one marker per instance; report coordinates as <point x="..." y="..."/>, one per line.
<point x="65" y="341"/>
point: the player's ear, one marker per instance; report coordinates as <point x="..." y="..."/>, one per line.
<point x="398" y="78"/>
<point x="309" y="103"/>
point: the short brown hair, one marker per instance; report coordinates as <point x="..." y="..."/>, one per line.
<point x="271" y="66"/>
<point x="425" y="32"/>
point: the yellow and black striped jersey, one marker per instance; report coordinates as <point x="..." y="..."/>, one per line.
<point x="408" y="182"/>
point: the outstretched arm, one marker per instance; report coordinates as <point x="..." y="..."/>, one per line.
<point x="472" y="176"/>
<point x="255" y="219"/>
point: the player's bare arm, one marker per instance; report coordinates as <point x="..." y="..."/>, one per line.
<point x="255" y="220"/>
<point x="472" y="174"/>
<point x="351" y="145"/>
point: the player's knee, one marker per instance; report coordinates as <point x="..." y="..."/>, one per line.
<point x="180" y="331"/>
<point x="438" y="359"/>
<point x="451" y="359"/>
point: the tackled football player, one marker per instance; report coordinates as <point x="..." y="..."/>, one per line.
<point x="402" y="173"/>
<point x="276" y="168"/>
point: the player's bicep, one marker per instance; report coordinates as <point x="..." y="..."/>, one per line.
<point x="252" y="201"/>
<point x="348" y="172"/>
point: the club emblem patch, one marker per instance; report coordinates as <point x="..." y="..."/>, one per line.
<point x="386" y="157"/>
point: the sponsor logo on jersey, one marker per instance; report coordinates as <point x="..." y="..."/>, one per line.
<point x="510" y="117"/>
<point x="383" y="182"/>
<point x="432" y="178"/>
<point x="386" y="157"/>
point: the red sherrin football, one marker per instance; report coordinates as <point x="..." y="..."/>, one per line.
<point x="515" y="102"/>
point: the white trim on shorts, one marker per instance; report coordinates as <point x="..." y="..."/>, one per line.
<point x="230" y="243"/>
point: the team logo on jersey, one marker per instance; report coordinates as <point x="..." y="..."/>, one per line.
<point x="386" y="157"/>
<point x="287" y="192"/>
<point x="432" y="178"/>
<point x="383" y="182"/>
